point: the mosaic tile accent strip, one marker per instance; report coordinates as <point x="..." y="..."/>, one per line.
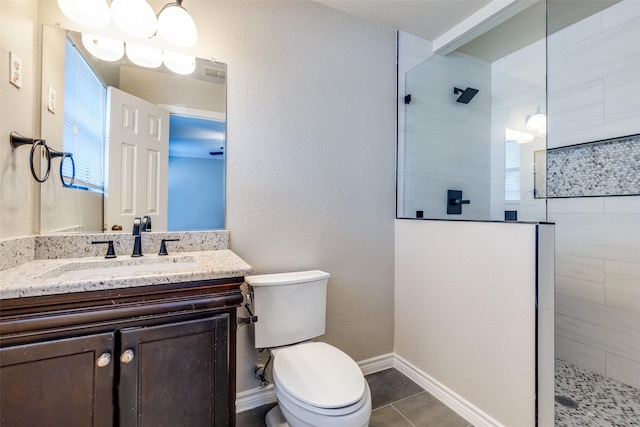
<point x="601" y="402"/>
<point x="600" y="168"/>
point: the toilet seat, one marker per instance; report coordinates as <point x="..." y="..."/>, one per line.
<point x="319" y="377"/>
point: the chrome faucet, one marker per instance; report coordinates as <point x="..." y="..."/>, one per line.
<point x="137" y="239"/>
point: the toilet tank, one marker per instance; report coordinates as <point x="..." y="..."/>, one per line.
<point x="291" y="307"/>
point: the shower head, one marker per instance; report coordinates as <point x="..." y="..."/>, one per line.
<point x="467" y="94"/>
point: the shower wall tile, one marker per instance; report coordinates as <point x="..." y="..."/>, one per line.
<point x="576" y="107"/>
<point x="624" y="370"/>
<point x="580" y="277"/>
<point x="589" y="358"/>
<point x="621" y="92"/>
<point x="622" y="205"/>
<point x="623" y="285"/>
<point x="575" y="33"/>
<point x="613" y="236"/>
<point x="619" y="14"/>
<point x="586" y="205"/>
<point x="597" y="238"/>
<point x="594" y="57"/>
<point x="609" y="329"/>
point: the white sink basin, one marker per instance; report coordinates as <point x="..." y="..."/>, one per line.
<point x="119" y="267"/>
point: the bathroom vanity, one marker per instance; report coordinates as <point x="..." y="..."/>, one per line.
<point x="138" y="346"/>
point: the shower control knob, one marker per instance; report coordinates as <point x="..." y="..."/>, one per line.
<point x="127" y="357"/>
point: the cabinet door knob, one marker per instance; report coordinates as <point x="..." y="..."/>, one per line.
<point x="103" y="360"/>
<point x="127" y="357"/>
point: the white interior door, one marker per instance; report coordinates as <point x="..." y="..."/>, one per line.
<point x="138" y="161"/>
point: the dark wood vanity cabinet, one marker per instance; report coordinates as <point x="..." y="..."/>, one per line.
<point x="155" y="356"/>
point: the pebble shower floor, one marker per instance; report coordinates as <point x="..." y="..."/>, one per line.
<point x="601" y="402"/>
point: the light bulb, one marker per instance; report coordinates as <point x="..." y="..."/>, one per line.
<point x="134" y="17"/>
<point x="104" y="48"/>
<point x="144" y="56"/>
<point x="90" y="13"/>
<point x="179" y="63"/>
<point x="176" y="26"/>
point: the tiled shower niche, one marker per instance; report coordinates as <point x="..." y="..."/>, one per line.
<point x="600" y="168"/>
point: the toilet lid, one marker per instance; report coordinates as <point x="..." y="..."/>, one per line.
<point x="319" y="374"/>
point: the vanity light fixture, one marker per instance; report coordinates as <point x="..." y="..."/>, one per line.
<point x="134" y="17"/>
<point x="179" y="63"/>
<point x="537" y="122"/>
<point x="104" y="48"/>
<point x="144" y="56"/>
<point x="176" y="26"/>
<point x="90" y="13"/>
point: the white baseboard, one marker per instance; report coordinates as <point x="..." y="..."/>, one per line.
<point x="246" y="400"/>
<point x="249" y="399"/>
<point x="444" y="394"/>
<point x="377" y="364"/>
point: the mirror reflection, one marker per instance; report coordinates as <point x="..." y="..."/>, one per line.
<point x="145" y="141"/>
<point x="473" y="119"/>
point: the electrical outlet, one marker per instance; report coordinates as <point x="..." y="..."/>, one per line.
<point x="15" y="70"/>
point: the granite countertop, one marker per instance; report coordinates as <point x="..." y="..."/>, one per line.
<point x="68" y="275"/>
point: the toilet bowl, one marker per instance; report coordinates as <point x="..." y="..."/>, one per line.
<point x="316" y="384"/>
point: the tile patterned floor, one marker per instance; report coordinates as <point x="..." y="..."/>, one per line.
<point x="397" y="402"/>
<point x="601" y="402"/>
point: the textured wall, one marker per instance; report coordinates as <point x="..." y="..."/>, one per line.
<point x="310" y="173"/>
<point x="19" y="201"/>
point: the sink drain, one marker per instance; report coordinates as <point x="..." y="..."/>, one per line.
<point x="566" y="401"/>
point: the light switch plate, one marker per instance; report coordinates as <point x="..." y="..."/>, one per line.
<point x="51" y="100"/>
<point x="15" y="70"/>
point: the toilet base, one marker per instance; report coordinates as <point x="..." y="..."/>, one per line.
<point x="275" y="418"/>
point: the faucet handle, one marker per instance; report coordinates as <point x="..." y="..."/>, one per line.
<point x="163" y="246"/>
<point x="136" y="226"/>
<point x="111" y="253"/>
<point x="146" y="223"/>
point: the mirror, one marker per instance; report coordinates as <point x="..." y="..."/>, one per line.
<point x="180" y="186"/>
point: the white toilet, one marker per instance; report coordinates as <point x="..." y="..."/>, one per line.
<point x="315" y="383"/>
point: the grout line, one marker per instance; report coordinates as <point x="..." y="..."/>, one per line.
<point x="402" y="415"/>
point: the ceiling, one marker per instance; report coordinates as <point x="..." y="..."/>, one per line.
<point x="428" y="19"/>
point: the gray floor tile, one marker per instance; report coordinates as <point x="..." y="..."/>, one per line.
<point x="390" y="386"/>
<point x="425" y="410"/>
<point x="388" y="416"/>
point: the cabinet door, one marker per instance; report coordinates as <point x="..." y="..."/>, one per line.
<point x="175" y="374"/>
<point x="66" y="382"/>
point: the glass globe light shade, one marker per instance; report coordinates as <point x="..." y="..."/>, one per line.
<point x="144" y="56"/>
<point x="104" y="48"/>
<point x="176" y="26"/>
<point x="90" y="13"/>
<point x="537" y="122"/>
<point x="179" y="63"/>
<point x="134" y="17"/>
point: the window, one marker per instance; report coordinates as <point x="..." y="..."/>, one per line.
<point x="84" y="121"/>
<point x="512" y="171"/>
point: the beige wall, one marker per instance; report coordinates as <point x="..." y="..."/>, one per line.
<point x="310" y="175"/>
